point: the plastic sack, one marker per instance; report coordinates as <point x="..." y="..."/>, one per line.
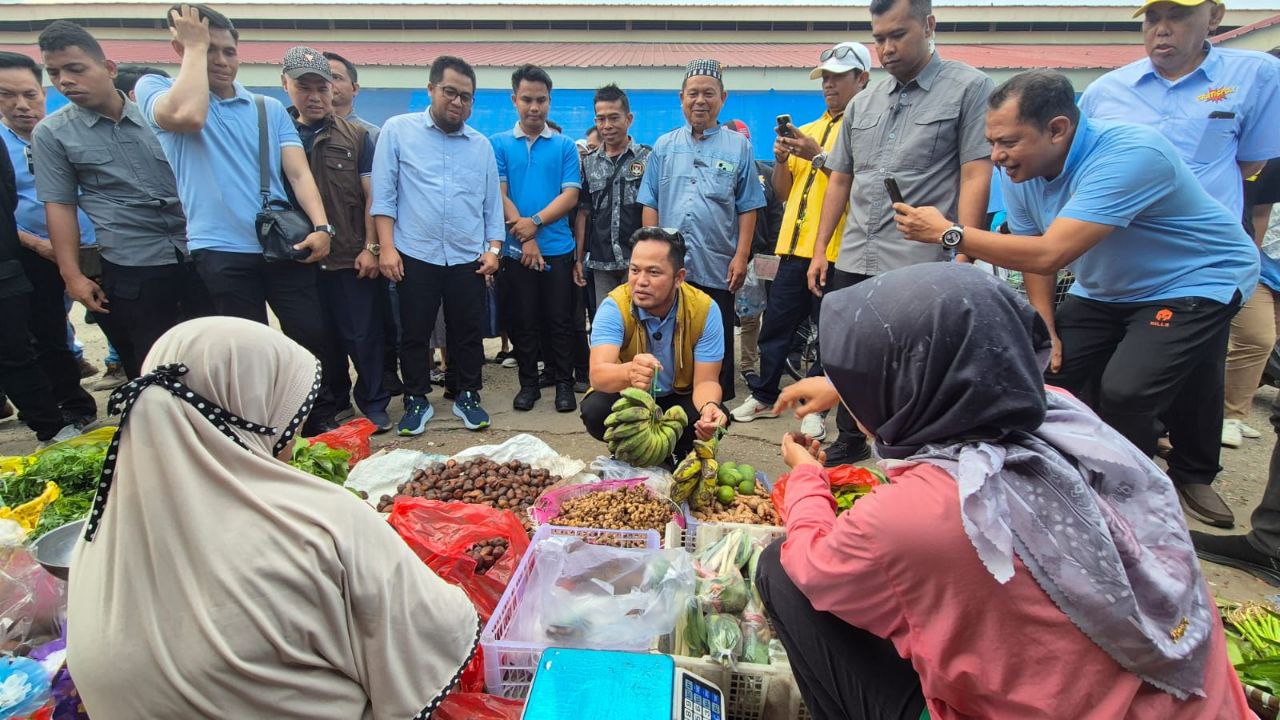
<point x="602" y="598"/>
<point x="657" y="479"/>
<point x="385" y="470"/>
<point x="529" y="449"/>
<point x="33" y="603"/>
<point x="841" y="476"/>
<point x="752" y="297"/>
<point x="547" y="507"/>
<point x="441" y="533"/>
<point x="477" y="706"/>
<point x="352" y="437"/>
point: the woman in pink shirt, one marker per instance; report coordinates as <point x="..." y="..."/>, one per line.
<point x="1025" y="562"/>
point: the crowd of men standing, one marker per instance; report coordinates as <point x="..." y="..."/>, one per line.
<point x="139" y="198"/>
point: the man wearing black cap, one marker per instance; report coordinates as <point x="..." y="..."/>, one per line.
<point x="340" y="153"/>
<point x="702" y="181"/>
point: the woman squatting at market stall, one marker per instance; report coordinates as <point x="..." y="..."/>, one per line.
<point x="1025" y="561"/>
<point x="215" y="582"/>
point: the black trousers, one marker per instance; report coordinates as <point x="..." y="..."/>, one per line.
<point x="144" y="302"/>
<point x="47" y="324"/>
<point x="790" y="302"/>
<point x="538" y="314"/>
<point x="389" y="306"/>
<point x="22" y="378"/>
<point x="843" y="672"/>
<point x="596" y="406"/>
<point x="849" y="432"/>
<point x="1139" y="365"/>
<point x="243" y="284"/>
<point x="421" y="292"/>
<point x="728" y="366"/>
<point x="1265" y="535"/>
<point x="582" y="342"/>
<point x="354" y="314"/>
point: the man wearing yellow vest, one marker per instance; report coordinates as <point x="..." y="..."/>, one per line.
<point x="800" y="175"/>
<point x="659" y="334"/>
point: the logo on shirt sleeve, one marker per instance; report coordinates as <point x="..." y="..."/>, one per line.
<point x="1216" y="95"/>
<point x="637" y="168"/>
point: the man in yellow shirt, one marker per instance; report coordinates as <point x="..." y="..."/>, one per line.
<point x="800" y="175"/>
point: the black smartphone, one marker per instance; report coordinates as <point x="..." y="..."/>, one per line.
<point x="784" y="126"/>
<point x="891" y="187"/>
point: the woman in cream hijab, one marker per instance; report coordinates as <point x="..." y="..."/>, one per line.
<point x="215" y="581"/>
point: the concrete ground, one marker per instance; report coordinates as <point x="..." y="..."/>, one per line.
<point x="1241" y="482"/>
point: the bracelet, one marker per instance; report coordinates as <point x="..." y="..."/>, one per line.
<point x="705" y="404"/>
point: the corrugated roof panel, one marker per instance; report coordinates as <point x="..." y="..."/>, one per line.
<point x="633" y="55"/>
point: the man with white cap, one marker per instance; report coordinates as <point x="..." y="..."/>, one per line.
<point x="800" y="174"/>
<point x="1218" y="108"/>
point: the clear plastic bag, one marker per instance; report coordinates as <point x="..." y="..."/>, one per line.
<point x="656" y="479"/>
<point x="604" y="598"/>
<point x="529" y="449"/>
<point x="752" y="297"/>
<point x="33" y="603"/>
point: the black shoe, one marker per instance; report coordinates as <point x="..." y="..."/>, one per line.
<point x="1236" y="551"/>
<point x="565" y="401"/>
<point x="525" y="399"/>
<point x="502" y="355"/>
<point x="546" y="379"/>
<point x="1204" y="503"/>
<point x="842" y="452"/>
<point x="581" y="386"/>
<point x="319" y="427"/>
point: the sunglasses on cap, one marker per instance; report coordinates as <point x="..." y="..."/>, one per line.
<point x="839" y="53"/>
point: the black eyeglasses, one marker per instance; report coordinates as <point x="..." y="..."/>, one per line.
<point x="452" y="93"/>
<point x="840" y="53"/>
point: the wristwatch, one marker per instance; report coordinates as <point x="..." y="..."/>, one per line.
<point x="373" y="248"/>
<point x="325" y="229"/>
<point x="819" y="161"/>
<point x="495" y="249"/>
<point x="537" y="219"/>
<point x="952" y="236"/>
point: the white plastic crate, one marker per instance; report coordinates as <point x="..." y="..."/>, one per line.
<point x="509" y="665"/>
<point x="700" y="535"/>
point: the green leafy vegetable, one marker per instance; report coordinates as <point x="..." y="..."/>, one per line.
<point x="319" y="459"/>
<point x="18" y="489"/>
<point x="1253" y="644"/>
<point x="65" y="509"/>
<point x="76" y="468"/>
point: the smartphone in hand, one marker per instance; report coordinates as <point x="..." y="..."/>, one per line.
<point x="891" y="187"/>
<point x="784" y="126"/>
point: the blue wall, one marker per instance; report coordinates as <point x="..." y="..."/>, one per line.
<point x="656" y="111"/>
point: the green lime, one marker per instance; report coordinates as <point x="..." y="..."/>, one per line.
<point x="726" y="476"/>
<point x="746" y="472"/>
<point x="725" y="494"/>
<point x="731" y="465"/>
<point x="747" y="487"/>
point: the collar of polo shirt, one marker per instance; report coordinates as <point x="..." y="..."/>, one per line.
<point x="546" y="131"/>
<point x="1209" y="67"/>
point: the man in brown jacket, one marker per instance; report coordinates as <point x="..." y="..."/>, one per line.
<point x="340" y="153"/>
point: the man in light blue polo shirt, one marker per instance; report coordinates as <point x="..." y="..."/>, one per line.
<point x="207" y="124"/>
<point x="1161" y="267"/>
<point x="438" y="210"/>
<point x="701" y="180"/>
<point x="540" y="175"/>
<point x="659" y="334"/>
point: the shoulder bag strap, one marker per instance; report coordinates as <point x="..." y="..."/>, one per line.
<point x="264" y="165"/>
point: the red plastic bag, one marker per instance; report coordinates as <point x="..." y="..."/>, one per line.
<point x="441" y="533"/>
<point x="352" y="437"/>
<point x="477" y="706"/>
<point x="840" y="476"/>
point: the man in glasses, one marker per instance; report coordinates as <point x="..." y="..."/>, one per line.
<point x="22" y="107"/>
<point x="800" y="174"/>
<point x="924" y="126"/>
<point x="661" y="335"/>
<point x="702" y="180"/>
<point x="438" y="210"/>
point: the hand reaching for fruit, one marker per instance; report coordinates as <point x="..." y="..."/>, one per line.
<point x="798" y="449"/>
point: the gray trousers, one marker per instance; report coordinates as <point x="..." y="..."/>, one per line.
<point x="1265" y="536"/>
<point x="606" y="281"/>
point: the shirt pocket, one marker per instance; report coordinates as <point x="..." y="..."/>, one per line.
<point x="863" y="143"/>
<point x="90" y="163"/>
<point x="715" y="181"/>
<point x="1215" y="137"/>
<point x="931" y="136"/>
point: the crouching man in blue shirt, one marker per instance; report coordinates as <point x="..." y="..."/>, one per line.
<point x="1161" y="267"/>
<point x="659" y="334"/>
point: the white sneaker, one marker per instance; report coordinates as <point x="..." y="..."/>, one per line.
<point x="66" y="433"/>
<point x="752" y="409"/>
<point x="814" y="425"/>
<point x="510" y="363"/>
<point x="1249" y="432"/>
<point x="1231" y="434"/>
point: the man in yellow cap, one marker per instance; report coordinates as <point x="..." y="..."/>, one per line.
<point x="1218" y="107"/>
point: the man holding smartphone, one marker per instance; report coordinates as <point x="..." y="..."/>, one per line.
<point x="924" y="126"/>
<point x="800" y="174"/>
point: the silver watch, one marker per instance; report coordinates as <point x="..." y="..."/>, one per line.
<point x="819" y="161"/>
<point x="952" y="236"/>
<point x="495" y="250"/>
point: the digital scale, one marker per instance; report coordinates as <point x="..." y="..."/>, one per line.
<point x="608" y="685"/>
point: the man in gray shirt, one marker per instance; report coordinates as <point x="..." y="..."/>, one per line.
<point x="99" y="152"/>
<point x="924" y="126"/>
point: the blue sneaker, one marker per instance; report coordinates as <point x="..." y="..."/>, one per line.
<point x="467" y="408"/>
<point x="417" y="411"/>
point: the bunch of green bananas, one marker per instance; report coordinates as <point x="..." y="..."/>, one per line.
<point x="695" y="477"/>
<point x="639" y="433"/>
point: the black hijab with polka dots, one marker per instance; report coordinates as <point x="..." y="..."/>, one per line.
<point x="166" y="377"/>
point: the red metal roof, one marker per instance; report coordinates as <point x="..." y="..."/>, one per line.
<point x="634" y="55"/>
<point x="1246" y="29"/>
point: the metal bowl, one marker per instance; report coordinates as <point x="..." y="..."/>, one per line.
<point x="53" y="550"/>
